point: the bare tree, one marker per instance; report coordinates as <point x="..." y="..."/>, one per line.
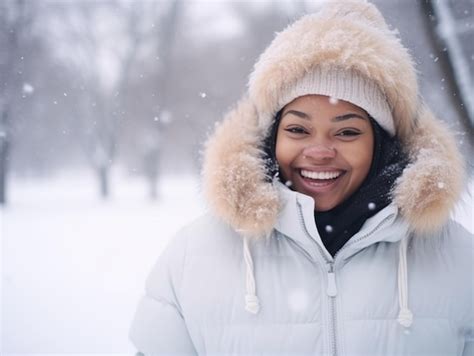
<point x="166" y="41"/>
<point x="74" y="39"/>
<point x="105" y="63"/>
<point x="450" y="28"/>
<point x="102" y="57"/>
<point x="16" y="18"/>
<point x="450" y="33"/>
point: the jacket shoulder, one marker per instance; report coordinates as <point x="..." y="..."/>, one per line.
<point x="207" y="234"/>
<point x="452" y="241"/>
<point x="457" y="237"/>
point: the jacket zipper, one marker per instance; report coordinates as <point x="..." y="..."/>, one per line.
<point x="331" y="285"/>
<point x="331" y="290"/>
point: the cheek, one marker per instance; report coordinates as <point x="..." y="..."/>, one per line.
<point x="360" y="158"/>
<point x="281" y="150"/>
<point x="285" y="153"/>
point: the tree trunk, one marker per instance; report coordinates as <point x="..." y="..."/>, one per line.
<point x="453" y="62"/>
<point x="3" y="169"/>
<point x="104" y="181"/>
<point x="153" y="186"/>
<point x="4" y="148"/>
<point x="151" y="164"/>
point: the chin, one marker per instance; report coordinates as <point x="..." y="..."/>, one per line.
<point x="320" y="207"/>
<point x="325" y="205"/>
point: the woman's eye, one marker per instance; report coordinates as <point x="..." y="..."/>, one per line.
<point x="348" y="133"/>
<point x="296" y="130"/>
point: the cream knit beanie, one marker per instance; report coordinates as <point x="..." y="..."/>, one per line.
<point x="343" y="85"/>
<point x="347" y="51"/>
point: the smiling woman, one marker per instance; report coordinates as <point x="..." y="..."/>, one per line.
<point x="330" y="187"/>
<point x="335" y="152"/>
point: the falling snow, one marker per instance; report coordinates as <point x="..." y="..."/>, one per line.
<point x="333" y="100"/>
<point x="28" y="88"/>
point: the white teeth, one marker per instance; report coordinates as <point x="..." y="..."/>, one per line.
<point x="320" y="175"/>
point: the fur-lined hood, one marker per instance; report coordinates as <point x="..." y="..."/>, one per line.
<point x="352" y="36"/>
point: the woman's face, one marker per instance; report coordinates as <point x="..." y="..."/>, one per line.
<point x="324" y="148"/>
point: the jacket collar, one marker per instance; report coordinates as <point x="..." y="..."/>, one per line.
<point x="296" y="221"/>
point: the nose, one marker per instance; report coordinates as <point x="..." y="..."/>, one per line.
<point x="319" y="152"/>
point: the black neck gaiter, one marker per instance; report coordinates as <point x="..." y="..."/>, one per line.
<point x="338" y="225"/>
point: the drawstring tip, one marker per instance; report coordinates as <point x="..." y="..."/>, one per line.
<point x="252" y="304"/>
<point x="405" y="317"/>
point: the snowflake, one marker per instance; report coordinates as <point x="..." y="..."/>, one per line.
<point x="333" y="100"/>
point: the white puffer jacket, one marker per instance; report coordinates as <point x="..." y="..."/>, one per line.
<point x="199" y="295"/>
<point x="253" y="277"/>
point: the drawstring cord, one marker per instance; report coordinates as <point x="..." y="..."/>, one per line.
<point x="252" y="304"/>
<point x="405" y="316"/>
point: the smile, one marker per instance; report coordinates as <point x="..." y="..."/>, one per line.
<point x="321" y="182"/>
<point x="320" y="175"/>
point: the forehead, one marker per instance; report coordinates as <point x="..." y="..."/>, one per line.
<point x="323" y="104"/>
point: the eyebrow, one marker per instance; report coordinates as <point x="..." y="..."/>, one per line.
<point x="305" y="116"/>
<point x="300" y="114"/>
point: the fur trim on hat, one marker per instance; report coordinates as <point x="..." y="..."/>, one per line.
<point x="431" y="185"/>
<point x="234" y="177"/>
<point x="235" y="184"/>
<point x="349" y="36"/>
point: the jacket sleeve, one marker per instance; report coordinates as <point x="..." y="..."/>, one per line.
<point x="466" y="247"/>
<point x="469" y="335"/>
<point x="158" y="327"/>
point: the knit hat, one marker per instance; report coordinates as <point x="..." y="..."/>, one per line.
<point x="346" y="51"/>
<point x="344" y="85"/>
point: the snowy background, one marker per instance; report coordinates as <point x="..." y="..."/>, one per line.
<point x="74" y="266"/>
<point x="104" y="106"/>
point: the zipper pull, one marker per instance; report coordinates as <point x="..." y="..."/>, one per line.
<point x="332" y="289"/>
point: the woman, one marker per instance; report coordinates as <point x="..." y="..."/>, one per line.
<point x="330" y="187"/>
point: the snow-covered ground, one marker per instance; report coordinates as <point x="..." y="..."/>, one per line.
<point x="74" y="267"/>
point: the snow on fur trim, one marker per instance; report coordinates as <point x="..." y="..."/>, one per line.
<point x="234" y="175"/>
<point x="429" y="187"/>
<point x="344" y="35"/>
<point x="235" y="184"/>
